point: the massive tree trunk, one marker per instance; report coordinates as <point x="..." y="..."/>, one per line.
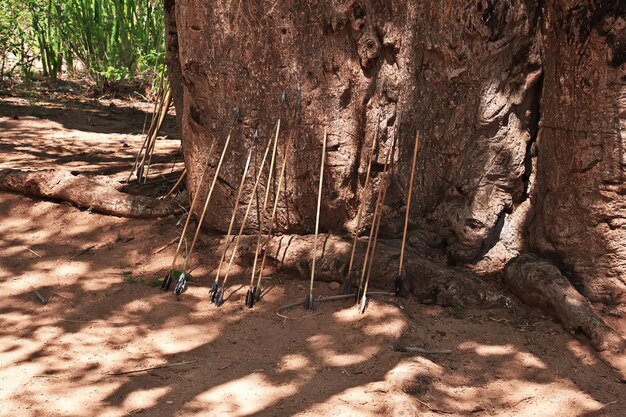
<point x="466" y="78"/>
<point x="581" y="203"/>
<point x="520" y="106"/>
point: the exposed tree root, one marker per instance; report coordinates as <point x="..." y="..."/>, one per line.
<point x="98" y="193"/>
<point x="538" y="282"/>
<point x="427" y="280"/>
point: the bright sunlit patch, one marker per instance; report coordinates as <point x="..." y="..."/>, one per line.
<point x="528" y="398"/>
<point x="67" y="269"/>
<point x="389" y="327"/>
<point x="45" y="333"/>
<point x="145" y="398"/>
<point x="14" y="224"/>
<point x="75" y="400"/>
<point x="293" y="362"/>
<point x="138" y="306"/>
<point x="379" y="320"/>
<point x="353" y="402"/>
<point x="411" y="368"/>
<point x="184" y="339"/>
<point x="333" y="358"/>
<point x="244" y="396"/>
<point x="12" y="382"/>
<point x="346" y="315"/>
<point x="528" y="360"/>
<point x="319" y="341"/>
<point x="488" y="350"/>
<point x="14" y="251"/>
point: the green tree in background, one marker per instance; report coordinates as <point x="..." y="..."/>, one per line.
<point x="17" y="43"/>
<point x="114" y="39"/>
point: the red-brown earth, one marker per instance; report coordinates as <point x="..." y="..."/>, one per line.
<point x="105" y="315"/>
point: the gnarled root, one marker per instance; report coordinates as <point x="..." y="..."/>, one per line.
<point x="98" y="193"/>
<point x="427" y="280"/>
<point x="538" y="282"/>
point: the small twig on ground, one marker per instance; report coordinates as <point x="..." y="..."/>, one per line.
<point x="82" y="252"/>
<point x="33" y="252"/>
<point x="606" y="405"/>
<point x="175" y="187"/>
<point x="434" y="410"/>
<point x="414" y="349"/>
<point x="40" y="297"/>
<point x="152" y="368"/>
<point x="521" y="401"/>
<point x="162" y="248"/>
<point x="503" y="321"/>
<point x="221" y="368"/>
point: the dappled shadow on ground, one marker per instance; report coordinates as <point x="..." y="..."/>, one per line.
<point x="88" y="115"/>
<point x="105" y="317"/>
<point x="87" y="136"/>
<point x="57" y="358"/>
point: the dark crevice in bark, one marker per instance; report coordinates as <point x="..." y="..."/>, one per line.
<point x="222" y="181"/>
<point x="494" y="235"/>
<point x="535" y="119"/>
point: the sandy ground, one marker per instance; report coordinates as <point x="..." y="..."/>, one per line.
<point x="75" y="356"/>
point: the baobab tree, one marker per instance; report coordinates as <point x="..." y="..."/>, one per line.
<point x="520" y="106"/>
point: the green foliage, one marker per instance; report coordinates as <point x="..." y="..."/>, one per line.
<point x="459" y="311"/>
<point x="130" y="279"/>
<point x="114" y="39"/>
<point x="16" y="41"/>
<point x="47" y="34"/>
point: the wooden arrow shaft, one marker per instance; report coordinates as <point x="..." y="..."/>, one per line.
<point x="317" y="214"/>
<point x="408" y="201"/>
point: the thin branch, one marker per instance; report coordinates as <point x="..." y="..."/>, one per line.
<point x="152" y="368"/>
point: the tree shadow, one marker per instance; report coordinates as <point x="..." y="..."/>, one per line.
<point x="88" y="137"/>
<point x="245" y="362"/>
<point x="88" y="115"/>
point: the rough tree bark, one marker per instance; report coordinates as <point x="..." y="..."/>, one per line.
<point x="98" y="193"/>
<point x="466" y="77"/>
<point x="520" y="105"/>
<point x="581" y="202"/>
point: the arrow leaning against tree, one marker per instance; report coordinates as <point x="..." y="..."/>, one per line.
<point x="230" y="226"/>
<point x="256" y="294"/>
<point x="347" y="282"/>
<point x="181" y="285"/>
<point x="399" y="283"/>
<point x="309" y="303"/>
<point x="378" y="214"/>
<point x="252" y="290"/>
<point x="167" y="281"/>
<point x="218" y="296"/>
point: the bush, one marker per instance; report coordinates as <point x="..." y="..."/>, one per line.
<point x="114" y="39"/>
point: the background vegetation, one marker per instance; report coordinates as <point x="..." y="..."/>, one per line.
<point x="106" y="39"/>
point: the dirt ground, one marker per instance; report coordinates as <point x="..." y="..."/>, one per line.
<point x="106" y="318"/>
